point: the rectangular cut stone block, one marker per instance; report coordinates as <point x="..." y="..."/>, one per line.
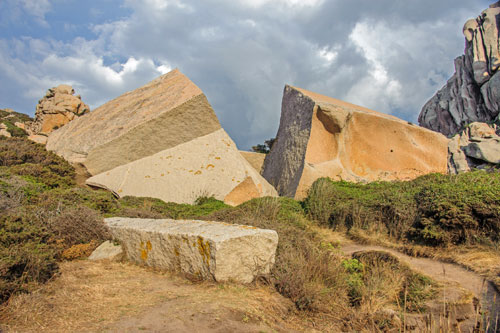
<point x="211" y="250"/>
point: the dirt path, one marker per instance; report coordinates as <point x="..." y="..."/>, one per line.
<point x="443" y="272"/>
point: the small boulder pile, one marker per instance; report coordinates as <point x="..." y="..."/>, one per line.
<point x="477" y="146"/>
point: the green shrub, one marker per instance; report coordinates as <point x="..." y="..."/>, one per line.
<point x="29" y="159"/>
<point x="156" y="208"/>
<point x="14" y="130"/>
<point x="435" y="209"/>
<point x="25" y="255"/>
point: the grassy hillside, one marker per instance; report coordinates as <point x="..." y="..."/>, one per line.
<point x="10" y="118"/>
<point x="45" y="218"/>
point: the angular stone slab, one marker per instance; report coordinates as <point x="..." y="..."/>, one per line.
<point x="210" y="250"/>
<point x="164" y="113"/>
<point x="209" y="165"/>
<point x="320" y="136"/>
<point x="107" y="251"/>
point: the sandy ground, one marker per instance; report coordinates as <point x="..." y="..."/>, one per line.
<point x="118" y="297"/>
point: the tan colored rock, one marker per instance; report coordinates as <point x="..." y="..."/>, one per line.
<point x="20" y="125"/>
<point x="323" y="137"/>
<point x="209" y="250"/>
<point x="210" y="165"/>
<point x="255" y="159"/>
<point x="107" y="251"/>
<point x="166" y="112"/>
<point x="4" y="131"/>
<point x="41" y="139"/>
<point x="56" y="109"/>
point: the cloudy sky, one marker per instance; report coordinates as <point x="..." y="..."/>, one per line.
<point x="388" y="55"/>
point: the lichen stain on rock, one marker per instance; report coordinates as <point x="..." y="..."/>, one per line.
<point x="204" y="249"/>
<point x="210" y="166"/>
<point x="145" y="248"/>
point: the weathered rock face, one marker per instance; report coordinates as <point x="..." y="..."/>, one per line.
<point x="478" y="146"/>
<point x="255" y="159"/>
<point x="56" y="109"/>
<point x="210" y="250"/>
<point x="210" y="165"/>
<point x="166" y="112"/>
<point x="323" y="137"/>
<point x="473" y="92"/>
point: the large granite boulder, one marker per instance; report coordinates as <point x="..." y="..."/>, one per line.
<point x="472" y="94"/>
<point x="320" y="136"/>
<point x="209" y="250"/>
<point x="166" y="112"/>
<point x="210" y="165"/>
<point x="477" y="146"/>
<point x="58" y="107"/>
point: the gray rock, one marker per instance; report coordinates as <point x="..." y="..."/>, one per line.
<point x="209" y="250"/>
<point x="107" y="250"/>
<point x="478" y="146"/>
<point x="472" y="94"/>
<point x="488" y="151"/>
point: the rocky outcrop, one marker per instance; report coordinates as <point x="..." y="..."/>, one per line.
<point x="209" y="250"/>
<point x="210" y="165"/>
<point x="320" y="136"/>
<point x="13" y="123"/>
<point x="166" y="112"/>
<point x="58" y="107"/>
<point x="477" y="146"/>
<point x="473" y="93"/>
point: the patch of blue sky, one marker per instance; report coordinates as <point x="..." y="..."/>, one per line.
<point x="62" y="21"/>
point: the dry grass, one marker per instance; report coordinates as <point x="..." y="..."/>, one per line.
<point x="92" y="296"/>
<point x="482" y="259"/>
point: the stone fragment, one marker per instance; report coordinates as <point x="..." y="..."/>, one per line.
<point x="56" y="109"/>
<point x="4" y="131"/>
<point x="107" y="251"/>
<point x="255" y="159"/>
<point x="166" y="112"/>
<point x="209" y="165"/>
<point x="477" y="146"/>
<point x="320" y="136"/>
<point x="209" y="250"/>
<point x="38" y="138"/>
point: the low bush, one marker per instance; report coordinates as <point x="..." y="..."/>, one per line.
<point x="31" y="160"/>
<point x="435" y="210"/>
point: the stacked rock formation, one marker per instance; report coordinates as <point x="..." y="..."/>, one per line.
<point x="472" y="94"/>
<point x="320" y="136"/>
<point x="477" y="146"/>
<point x="58" y="107"/>
<point x="162" y="140"/>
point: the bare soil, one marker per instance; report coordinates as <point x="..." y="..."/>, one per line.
<point x="118" y="297"/>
